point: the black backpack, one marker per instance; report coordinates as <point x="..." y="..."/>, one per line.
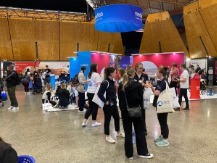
<point x="75" y="79"/>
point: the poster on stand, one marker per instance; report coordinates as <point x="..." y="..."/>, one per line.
<point x="22" y="66"/>
<point x="56" y="67"/>
<point x="201" y="62"/>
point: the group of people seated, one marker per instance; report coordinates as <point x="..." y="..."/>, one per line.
<point x="62" y="96"/>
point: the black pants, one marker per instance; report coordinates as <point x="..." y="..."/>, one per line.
<point x="12" y="96"/>
<point x="81" y="101"/>
<point x="162" y="118"/>
<point x="110" y="111"/>
<point x="93" y="107"/>
<point x="26" y="87"/>
<point x="183" y="92"/>
<point x="144" y="120"/>
<point x="138" y="124"/>
<point x="173" y="84"/>
<point x="47" y="80"/>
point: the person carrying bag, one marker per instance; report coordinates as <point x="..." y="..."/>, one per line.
<point x="130" y="94"/>
<point x="164" y="104"/>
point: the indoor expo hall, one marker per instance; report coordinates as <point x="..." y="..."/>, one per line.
<point x="57" y="137"/>
<point x="108" y="81"/>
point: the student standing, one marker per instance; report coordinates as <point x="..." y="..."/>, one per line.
<point x="94" y="80"/>
<point x="81" y="89"/>
<point x="110" y="107"/>
<point x="143" y="79"/>
<point x="174" y="73"/>
<point x="11" y="80"/>
<point x="132" y="91"/>
<point x="162" y="140"/>
<point x="184" y="85"/>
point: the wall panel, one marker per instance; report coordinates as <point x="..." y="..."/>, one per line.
<point x="56" y="40"/>
<point x="161" y="35"/>
<point x="208" y="12"/>
<point x="5" y="42"/>
<point x="199" y="41"/>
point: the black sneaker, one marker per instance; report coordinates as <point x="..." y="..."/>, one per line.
<point x="187" y="108"/>
<point x="148" y="156"/>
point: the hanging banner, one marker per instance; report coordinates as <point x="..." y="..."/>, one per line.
<point x="118" y="18"/>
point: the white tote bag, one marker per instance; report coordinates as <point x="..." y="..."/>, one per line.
<point x="146" y="97"/>
<point x="176" y="102"/>
<point x="96" y="98"/>
<point x="165" y="101"/>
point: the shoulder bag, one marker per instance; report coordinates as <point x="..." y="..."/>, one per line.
<point x="133" y="112"/>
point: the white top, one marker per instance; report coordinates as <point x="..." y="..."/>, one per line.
<point x="92" y="82"/>
<point x="184" y="75"/>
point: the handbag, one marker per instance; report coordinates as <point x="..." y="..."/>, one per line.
<point x="96" y="98"/>
<point x="165" y="101"/>
<point x="133" y="112"/>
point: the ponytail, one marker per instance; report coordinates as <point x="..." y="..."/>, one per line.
<point x="130" y="71"/>
<point x="125" y="81"/>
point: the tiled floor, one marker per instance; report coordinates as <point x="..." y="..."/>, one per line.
<point x="57" y="137"/>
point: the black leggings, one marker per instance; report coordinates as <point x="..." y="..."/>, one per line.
<point x="93" y="107"/>
<point x="162" y="118"/>
<point x="81" y="100"/>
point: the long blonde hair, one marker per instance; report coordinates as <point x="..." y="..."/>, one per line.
<point x="129" y="72"/>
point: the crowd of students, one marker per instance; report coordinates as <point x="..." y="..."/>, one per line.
<point x="129" y="89"/>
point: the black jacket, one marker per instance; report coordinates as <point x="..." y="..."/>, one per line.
<point x="63" y="96"/>
<point x="11" y="79"/>
<point x="134" y="95"/>
<point x="110" y="91"/>
<point x="7" y="154"/>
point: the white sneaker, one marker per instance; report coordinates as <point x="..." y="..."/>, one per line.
<point x="84" y="124"/>
<point x="10" y="107"/>
<point x="121" y="134"/>
<point x="15" y="109"/>
<point x="96" y="124"/>
<point x="148" y="156"/>
<point x="110" y="139"/>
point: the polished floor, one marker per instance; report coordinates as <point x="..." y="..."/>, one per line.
<point x="57" y="137"/>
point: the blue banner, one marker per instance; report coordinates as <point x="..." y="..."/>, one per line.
<point x="82" y="59"/>
<point x="118" y="18"/>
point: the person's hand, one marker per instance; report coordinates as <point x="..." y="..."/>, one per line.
<point x="107" y="103"/>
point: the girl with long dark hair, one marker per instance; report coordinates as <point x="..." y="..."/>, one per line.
<point x="110" y="108"/>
